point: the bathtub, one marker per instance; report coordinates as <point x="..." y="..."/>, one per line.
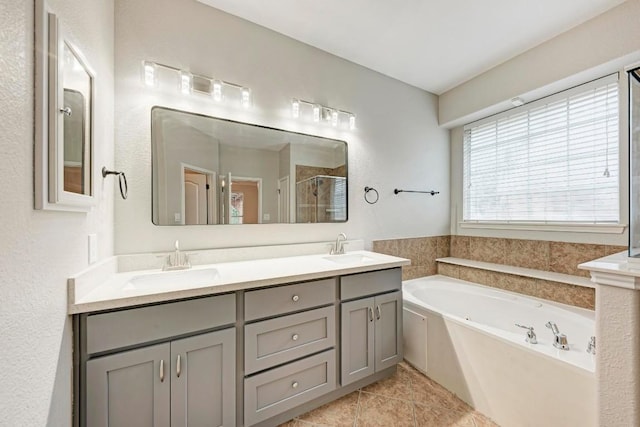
<point x="463" y="336"/>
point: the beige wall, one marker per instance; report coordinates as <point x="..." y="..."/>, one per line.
<point x="597" y="47"/>
<point x="39" y="250"/>
<point x="603" y="45"/>
<point x="397" y="143"/>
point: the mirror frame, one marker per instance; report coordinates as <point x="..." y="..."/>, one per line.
<point x="50" y="41"/>
<point x="218" y="175"/>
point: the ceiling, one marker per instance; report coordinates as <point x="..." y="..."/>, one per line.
<point x="431" y="44"/>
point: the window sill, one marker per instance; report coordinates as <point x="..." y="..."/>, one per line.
<point x="563" y="227"/>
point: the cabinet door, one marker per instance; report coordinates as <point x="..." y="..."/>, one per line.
<point x="129" y="389"/>
<point x="388" y="335"/>
<point x="357" y="340"/>
<point x="203" y="379"/>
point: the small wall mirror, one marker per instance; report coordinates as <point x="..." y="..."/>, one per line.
<point x="207" y="170"/>
<point x="64" y="131"/>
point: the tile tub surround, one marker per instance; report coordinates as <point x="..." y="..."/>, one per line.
<point x="565" y="293"/>
<point x="408" y="398"/>
<point x="557" y="257"/>
<point x="422" y="251"/>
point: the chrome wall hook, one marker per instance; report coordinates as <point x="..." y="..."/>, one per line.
<point x="122" y="181"/>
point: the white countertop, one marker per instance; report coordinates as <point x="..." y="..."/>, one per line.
<point x="615" y="270"/>
<point x="102" y="287"/>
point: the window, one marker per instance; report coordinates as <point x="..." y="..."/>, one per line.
<point x="551" y="161"/>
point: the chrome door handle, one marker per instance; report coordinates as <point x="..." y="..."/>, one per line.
<point x="161" y="370"/>
<point x="378" y="312"/>
<point x="295" y="337"/>
<point x="178" y="367"/>
<point x="370" y="314"/>
<point x="295" y="298"/>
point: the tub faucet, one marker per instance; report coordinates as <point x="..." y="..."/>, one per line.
<point x="531" y="336"/>
<point x="591" y="347"/>
<point x="338" y="249"/>
<point x="560" y="340"/>
<point x="177" y="260"/>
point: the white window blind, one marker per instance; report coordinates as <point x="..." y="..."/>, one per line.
<point x="551" y="161"/>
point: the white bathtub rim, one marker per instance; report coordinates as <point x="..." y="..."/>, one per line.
<point x="591" y="314"/>
<point x="585" y="364"/>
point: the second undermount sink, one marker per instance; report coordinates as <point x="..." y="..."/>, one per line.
<point x="195" y="278"/>
<point x="349" y="258"/>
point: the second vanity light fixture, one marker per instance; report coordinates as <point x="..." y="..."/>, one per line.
<point x="189" y="83"/>
<point x="323" y="113"/>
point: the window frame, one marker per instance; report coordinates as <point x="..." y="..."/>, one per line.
<point x="555" y="226"/>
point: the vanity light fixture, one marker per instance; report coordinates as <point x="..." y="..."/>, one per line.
<point x="324" y="113"/>
<point x="295" y="108"/>
<point x="334" y="118"/>
<point x="186" y="82"/>
<point x="246" y="97"/>
<point x="189" y="83"/>
<point x="216" y="92"/>
<point x="149" y="74"/>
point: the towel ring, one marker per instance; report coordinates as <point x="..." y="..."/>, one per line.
<point x="122" y="181"/>
<point x="366" y="192"/>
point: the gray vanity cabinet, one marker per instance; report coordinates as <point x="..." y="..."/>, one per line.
<point x="203" y="380"/>
<point x="358" y="344"/>
<point x="371" y="327"/>
<point x="129" y="388"/>
<point x="185" y="382"/>
<point x="171" y="364"/>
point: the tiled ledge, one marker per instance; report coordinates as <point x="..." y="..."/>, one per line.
<point x="520" y="271"/>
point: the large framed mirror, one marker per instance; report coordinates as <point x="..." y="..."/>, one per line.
<point x="65" y="97"/>
<point x="207" y="170"/>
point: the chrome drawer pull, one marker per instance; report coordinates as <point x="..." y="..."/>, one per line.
<point x="295" y="384"/>
<point x="295" y="337"/>
<point x="295" y="298"/>
<point x="178" y="367"/>
<point x="370" y="314"/>
<point x="378" y="312"/>
<point x="161" y="370"/>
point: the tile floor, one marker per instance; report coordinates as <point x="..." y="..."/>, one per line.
<point x="408" y="398"/>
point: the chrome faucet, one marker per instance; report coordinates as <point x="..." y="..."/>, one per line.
<point x="177" y="260"/>
<point x="531" y="336"/>
<point x="560" y="340"/>
<point x="591" y="347"/>
<point x="338" y="249"/>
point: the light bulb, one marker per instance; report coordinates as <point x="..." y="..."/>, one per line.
<point x="149" y="74"/>
<point x="246" y="97"/>
<point x="316" y="113"/>
<point x="352" y="122"/>
<point x="334" y="118"/>
<point x="217" y="90"/>
<point x="186" y="80"/>
<point x="295" y="108"/>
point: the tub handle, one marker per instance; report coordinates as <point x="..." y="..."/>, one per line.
<point x="370" y="314"/>
<point x="531" y="336"/>
<point x="378" y="312"/>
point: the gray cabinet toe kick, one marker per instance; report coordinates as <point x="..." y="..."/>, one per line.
<point x="252" y="357"/>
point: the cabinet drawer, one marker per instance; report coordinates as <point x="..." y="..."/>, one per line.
<point x="286" y="387"/>
<point x="139" y="325"/>
<point x="276" y="341"/>
<point x="285" y="299"/>
<point x="375" y="282"/>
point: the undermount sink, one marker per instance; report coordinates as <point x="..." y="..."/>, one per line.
<point x="195" y="278"/>
<point x="348" y="258"/>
